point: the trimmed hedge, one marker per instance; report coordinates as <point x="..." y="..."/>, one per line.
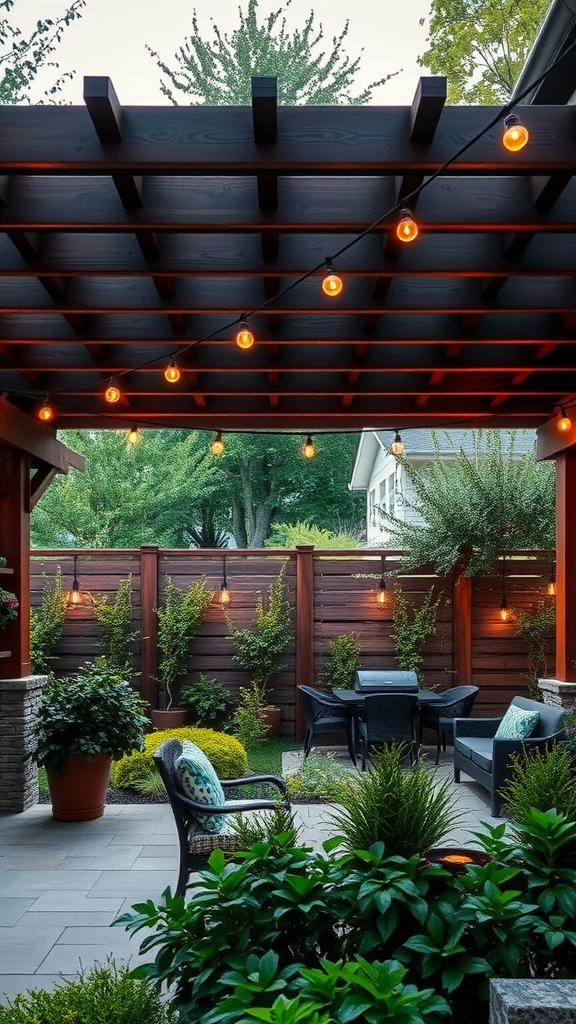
<point x="225" y="752"/>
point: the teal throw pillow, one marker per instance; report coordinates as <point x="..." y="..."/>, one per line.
<point x="201" y="784"/>
<point x="517" y="724"/>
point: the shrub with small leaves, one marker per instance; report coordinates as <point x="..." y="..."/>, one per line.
<point x="114" y="616"/>
<point x="47" y="624"/>
<point x="226" y="754"/>
<point x="343" y="660"/>
<point x="320" y="776"/>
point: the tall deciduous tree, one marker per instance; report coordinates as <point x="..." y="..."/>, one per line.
<point x="128" y="495"/>
<point x="471" y="506"/>
<point x="23" y="55"/>
<point x="481" y="45"/>
<point x="218" y="72"/>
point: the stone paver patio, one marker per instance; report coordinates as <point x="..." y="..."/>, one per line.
<point x="62" y="883"/>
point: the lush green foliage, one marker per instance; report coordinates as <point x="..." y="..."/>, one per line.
<point x="413" y="627"/>
<point x="408" y="811"/>
<point x="149" y="493"/>
<point x="343" y="660"/>
<point x="258" y="649"/>
<point x="178" y="620"/>
<point x="276" y="827"/>
<point x="22" y="57"/>
<point x="541" y="780"/>
<point x="249" y="721"/>
<point x="286" y="934"/>
<point x="94" y="712"/>
<point x="536" y="626"/>
<point x="210" y="701"/>
<point x="103" y="995"/>
<point x="226" y="754"/>
<point x="481" y="45"/>
<point x="115" y="618"/>
<point x="218" y="72"/>
<point x="320" y="776"/>
<point x="8" y="607"/>
<point x="47" y="624"/>
<point x="289" y="535"/>
<point x="469" y="507"/>
<point x="569" y="741"/>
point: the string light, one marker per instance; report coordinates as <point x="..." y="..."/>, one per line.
<point x="407" y="229"/>
<point x="134" y="436"/>
<point x="381" y="593"/>
<point x="217" y="446"/>
<point x="564" y="423"/>
<point x="505" y="612"/>
<point x="224" y="590"/>
<point x="515" y="135"/>
<point x="112" y="393"/>
<point x="172" y="373"/>
<point x="309" y="448"/>
<point x="46" y="412"/>
<point x="244" y="338"/>
<point x="397" y="446"/>
<point x="332" y="284"/>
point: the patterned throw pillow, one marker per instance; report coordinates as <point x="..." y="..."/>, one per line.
<point x="200" y="783"/>
<point x="517" y="724"/>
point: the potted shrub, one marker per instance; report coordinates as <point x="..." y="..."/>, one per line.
<point x="178" y="620"/>
<point x="211" y="702"/>
<point x="258" y="650"/>
<point x="343" y="660"/>
<point x="82" y="723"/>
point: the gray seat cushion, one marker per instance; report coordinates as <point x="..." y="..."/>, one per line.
<point x="478" y="749"/>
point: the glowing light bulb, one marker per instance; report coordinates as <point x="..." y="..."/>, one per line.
<point x="332" y="284"/>
<point x="112" y="393"/>
<point x="515" y="135"/>
<point x="407" y="229"/>
<point x="46" y="412"/>
<point x="172" y="373"/>
<point x="134" y="436"/>
<point x="217" y="446"/>
<point x="551" y="588"/>
<point x="564" y="423"/>
<point x="505" y="613"/>
<point x="309" y="449"/>
<point x="244" y="338"/>
<point x="224" y="593"/>
<point x="397" y="446"/>
<point x="381" y="593"/>
<point x="75" y="597"/>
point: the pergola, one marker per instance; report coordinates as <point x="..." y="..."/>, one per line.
<point x="134" y="236"/>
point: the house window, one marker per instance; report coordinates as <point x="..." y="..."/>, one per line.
<point x="372" y="507"/>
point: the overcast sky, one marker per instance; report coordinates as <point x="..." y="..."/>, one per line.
<point x="111" y="37"/>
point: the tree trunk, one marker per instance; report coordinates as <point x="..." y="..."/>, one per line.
<point x="238" y="522"/>
<point x="262" y="519"/>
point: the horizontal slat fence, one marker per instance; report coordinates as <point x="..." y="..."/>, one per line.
<point x="332" y="592"/>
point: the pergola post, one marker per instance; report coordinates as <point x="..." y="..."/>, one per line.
<point x="304" y="626"/>
<point x="15" y="539"/>
<point x="566" y="567"/>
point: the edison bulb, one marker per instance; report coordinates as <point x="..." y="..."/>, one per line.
<point x="217" y="446"/>
<point x="515" y="135"/>
<point x="309" y="449"/>
<point x="45" y="413"/>
<point x="244" y="338"/>
<point x="112" y="393"/>
<point x="332" y="285"/>
<point x="133" y="436"/>
<point x="564" y="423"/>
<point x="407" y="229"/>
<point x="172" y="373"/>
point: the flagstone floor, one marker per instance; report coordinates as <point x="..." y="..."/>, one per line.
<point x="63" y="883"/>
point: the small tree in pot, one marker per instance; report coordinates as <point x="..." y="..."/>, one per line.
<point x="82" y="723"/>
<point x="178" y="620"/>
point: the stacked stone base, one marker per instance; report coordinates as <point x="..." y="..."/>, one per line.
<point x="554" y="691"/>
<point x="18" y="774"/>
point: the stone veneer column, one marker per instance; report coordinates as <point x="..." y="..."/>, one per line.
<point x="531" y="1001"/>
<point x="562" y="695"/>
<point x="18" y="774"/>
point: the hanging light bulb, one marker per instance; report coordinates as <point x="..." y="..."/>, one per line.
<point x="505" y="612"/>
<point x="564" y="423"/>
<point x="217" y="446"/>
<point x="224" y="590"/>
<point x="332" y="284"/>
<point x="551" y="588"/>
<point x="407" y="229"/>
<point x="172" y="373"/>
<point x="74" y="595"/>
<point x="309" y="448"/>
<point x="381" y="592"/>
<point x="397" y="446"/>
<point x="515" y="135"/>
<point x="134" y="436"/>
<point x="46" y="412"/>
<point x="244" y="338"/>
<point x="112" y="393"/>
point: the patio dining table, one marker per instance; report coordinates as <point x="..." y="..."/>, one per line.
<point x="425" y="697"/>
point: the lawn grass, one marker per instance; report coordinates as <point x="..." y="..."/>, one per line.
<point x="266" y="757"/>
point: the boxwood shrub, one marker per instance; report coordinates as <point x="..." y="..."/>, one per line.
<point x="225" y="752"/>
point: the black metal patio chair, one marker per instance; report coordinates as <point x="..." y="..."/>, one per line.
<point x="324" y="713"/>
<point x="440" y="717"/>
<point x="388" y="718"/>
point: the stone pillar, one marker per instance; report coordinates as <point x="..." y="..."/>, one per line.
<point x="561" y="695"/>
<point x="531" y="1001"/>
<point x="18" y="775"/>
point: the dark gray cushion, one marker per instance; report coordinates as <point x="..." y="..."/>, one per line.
<point x="481" y="752"/>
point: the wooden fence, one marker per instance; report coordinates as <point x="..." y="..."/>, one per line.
<point x="332" y="592"/>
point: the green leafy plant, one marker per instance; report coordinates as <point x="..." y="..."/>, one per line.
<point x="413" y="626"/>
<point x="115" y="619"/>
<point x="290" y="535"/>
<point x="94" y="712"/>
<point x="226" y="753"/>
<point x="540" y="779"/>
<point x="343" y="660"/>
<point x="210" y="700"/>
<point x="249" y="719"/>
<point x="320" y="776"/>
<point x="276" y="827"/>
<point x="569" y="741"/>
<point x="8" y="607"/>
<point x="178" y="620"/>
<point x="535" y="625"/>
<point x="106" y="994"/>
<point x="47" y="624"/>
<point x="258" y="649"/>
<point x="408" y="811"/>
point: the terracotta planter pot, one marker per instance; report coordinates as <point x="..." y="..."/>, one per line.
<point x="169" y="719"/>
<point x="79" y="792"/>
<point x="272" y="719"/>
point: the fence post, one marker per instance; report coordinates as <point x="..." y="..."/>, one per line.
<point x="462" y="630"/>
<point x="304" y="626"/>
<point x="148" y="622"/>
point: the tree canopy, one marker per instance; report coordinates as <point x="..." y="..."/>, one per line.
<point x="472" y="506"/>
<point x="22" y="56"/>
<point x="481" y="45"/>
<point x="218" y="71"/>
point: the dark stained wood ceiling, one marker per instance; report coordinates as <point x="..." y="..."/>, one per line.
<point x="129" y="235"/>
